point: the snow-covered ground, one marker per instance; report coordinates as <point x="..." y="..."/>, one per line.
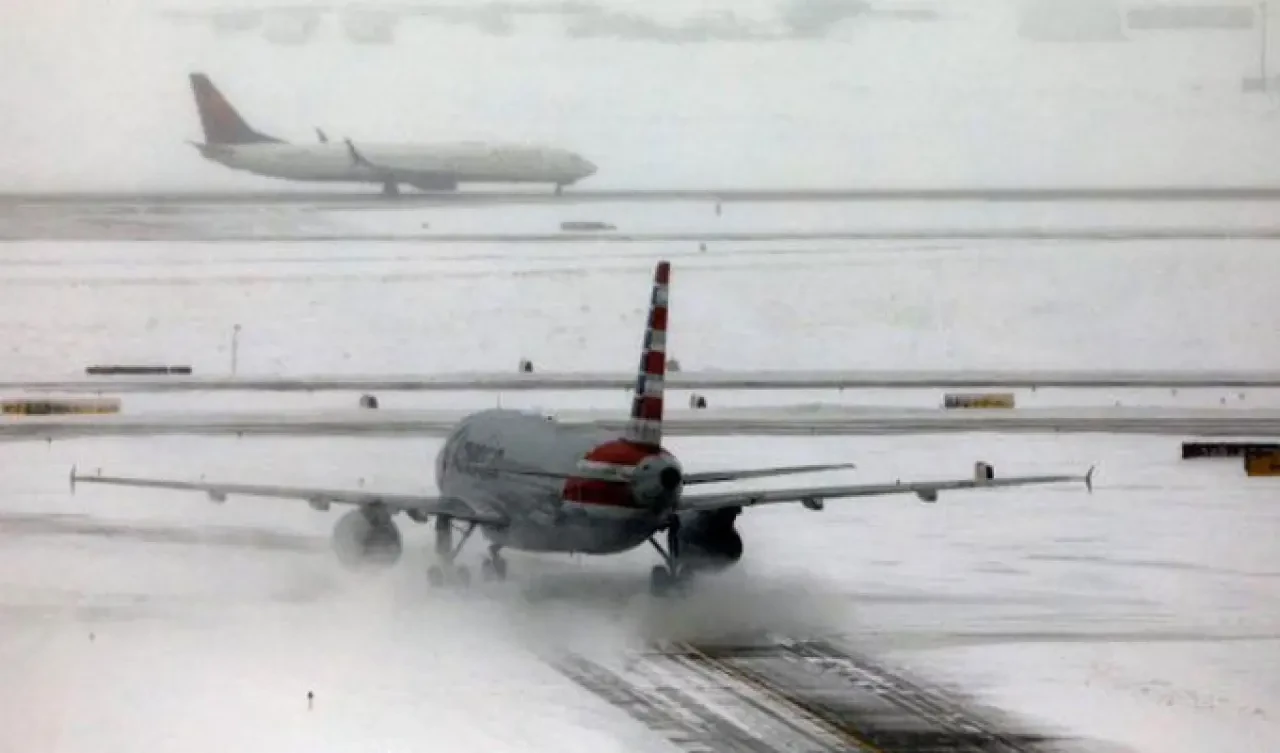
<point x="1145" y="613"/>
<point x="362" y="308"/>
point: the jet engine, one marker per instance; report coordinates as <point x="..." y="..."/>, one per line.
<point x="709" y="541"/>
<point x="367" y="538"/>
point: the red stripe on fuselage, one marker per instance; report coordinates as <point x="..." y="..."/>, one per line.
<point x="619" y="452"/>
<point x="592" y="492"/>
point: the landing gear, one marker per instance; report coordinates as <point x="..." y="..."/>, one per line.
<point x="494" y="566"/>
<point x="440" y="576"/>
<point x="559" y="189"/>
<point x="661" y="581"/>
<point x="444" y="572"/>
<point x="671" y="576"/>
<point x="390" y="189"/>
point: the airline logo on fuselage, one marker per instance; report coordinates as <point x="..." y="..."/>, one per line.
<point x="476" y="459"/>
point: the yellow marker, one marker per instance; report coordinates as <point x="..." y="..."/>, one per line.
<point x="992" y="400"/>
<point x="1262" y="464"/>
<point x="59" y="406"/>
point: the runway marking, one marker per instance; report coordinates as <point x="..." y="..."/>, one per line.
<point x="816" y="715"/>
<point x="794" y="695"/>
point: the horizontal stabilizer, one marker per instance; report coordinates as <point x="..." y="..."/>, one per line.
<point x="582" y="474"/>
<point x="712" y="477"/>
<point x="704" y="477"/>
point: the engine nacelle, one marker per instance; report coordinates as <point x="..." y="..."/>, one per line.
<point x="709" y="542"/>
<point x="366" y="540"/>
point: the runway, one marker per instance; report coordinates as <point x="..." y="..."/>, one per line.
<point x="825" y="421"/>
<point x="590" y="195"/>
<point x="708" y="380"/>
<point x="505" y="220"/>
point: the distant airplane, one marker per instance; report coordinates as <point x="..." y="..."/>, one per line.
<point x="231" y="141"/>
<point x="531" y="484"/>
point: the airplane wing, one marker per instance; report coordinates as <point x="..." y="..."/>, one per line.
<point x="812" y="497"/>
<point x="320" y="499"/>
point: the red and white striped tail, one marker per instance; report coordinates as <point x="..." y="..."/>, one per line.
<point x="646" y="407"/>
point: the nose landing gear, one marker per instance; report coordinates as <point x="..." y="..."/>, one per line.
<point x="443" y="571"/>
<point x="494" y="566"/>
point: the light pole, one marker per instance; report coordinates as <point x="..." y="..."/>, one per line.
<point x="235" y="348"/>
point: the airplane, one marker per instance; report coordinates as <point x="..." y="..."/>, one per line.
<point x="231" y="141"/>
<point x="529" y="483"/>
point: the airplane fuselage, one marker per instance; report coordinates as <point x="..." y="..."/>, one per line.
<point x="439" y="166"/>
<point x="551" y="514"/>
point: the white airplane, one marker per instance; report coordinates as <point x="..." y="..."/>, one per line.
<point x="532" y="484"/>
<point x="231" y="141"/>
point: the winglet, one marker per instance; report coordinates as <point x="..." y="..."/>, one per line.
<point x="356" y="157"/>
<point x="1088" y="478"/>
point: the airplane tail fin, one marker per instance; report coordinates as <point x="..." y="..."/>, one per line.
<point x="645" y="426"/>
<point x="222" y="124"/>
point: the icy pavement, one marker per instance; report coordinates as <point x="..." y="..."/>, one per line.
<point x="1153" y="599"/>
<point x="468" y="222"/>
<point x="1145" y="613"/>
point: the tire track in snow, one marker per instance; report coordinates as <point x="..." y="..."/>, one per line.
<point x="808" y="696"/>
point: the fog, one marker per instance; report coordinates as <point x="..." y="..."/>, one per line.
<point x="95" y="95"/>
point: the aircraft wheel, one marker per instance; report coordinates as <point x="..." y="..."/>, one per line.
<point x="462" y="576"/>
<point x="661" y="581"/>
<point x="435" y="576"/>
<point x="493" y="569"/>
